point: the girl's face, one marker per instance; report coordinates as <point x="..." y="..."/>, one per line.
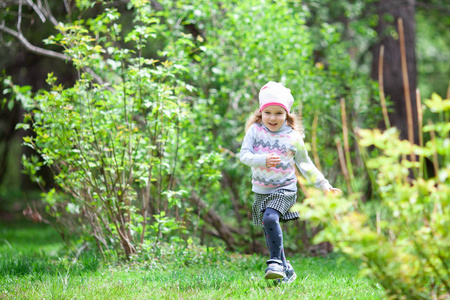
<point x="273" y="117"/>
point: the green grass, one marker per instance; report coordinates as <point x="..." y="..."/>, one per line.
<point x="33" y="266"/>
<point x="28" y="238"/>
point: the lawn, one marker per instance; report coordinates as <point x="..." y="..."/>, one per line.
<point x="35" y="265"/>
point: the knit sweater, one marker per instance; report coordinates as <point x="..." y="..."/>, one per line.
<point x="286" y="143"/>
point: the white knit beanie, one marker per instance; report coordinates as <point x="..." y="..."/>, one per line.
<point x="274" y="93"/>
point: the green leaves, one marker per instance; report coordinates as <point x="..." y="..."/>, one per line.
<point x="436" y="104"/>
<point x="403" y="240"/>
<point x="13" y="93"/>
<point x="112" y="145"/>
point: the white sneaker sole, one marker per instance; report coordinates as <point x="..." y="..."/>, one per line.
<point x="293" y="277"/>
<point x="274" y="275"/>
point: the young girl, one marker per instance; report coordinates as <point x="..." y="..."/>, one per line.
<point x="272" y="146"/>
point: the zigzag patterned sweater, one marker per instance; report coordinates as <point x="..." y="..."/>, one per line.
<point x="286" y="143"/>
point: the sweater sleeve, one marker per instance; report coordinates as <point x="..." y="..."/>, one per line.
<point x="308" y="169"/>
<point x="247" y="154"/>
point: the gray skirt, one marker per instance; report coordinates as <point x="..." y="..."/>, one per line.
<point x="281" y="200"/>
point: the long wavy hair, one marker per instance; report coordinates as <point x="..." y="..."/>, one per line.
<point x="292" y="120"/>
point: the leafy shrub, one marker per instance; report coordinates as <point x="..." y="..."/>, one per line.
<point x="405" y="243"/>
<point x="112" y="140"/>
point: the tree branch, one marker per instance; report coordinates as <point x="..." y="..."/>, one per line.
<point x="19" y="19"/>
<point x="50" y="15"/>
<point x="49" y="53"/>
<point x="35" y="7"/>
<point x="37" y="10"/>
<point x="32" y="48"/>
<point x="67" y="6"/>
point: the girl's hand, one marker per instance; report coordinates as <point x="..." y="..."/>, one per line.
<point x="272" y="160"/>
<point x="334" y="191"/>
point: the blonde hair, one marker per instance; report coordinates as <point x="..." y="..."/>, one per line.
<point x="292" y="120"/>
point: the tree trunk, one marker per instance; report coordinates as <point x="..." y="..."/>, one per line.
<point x="392" y="66"/>
<point x="214" y="220"/>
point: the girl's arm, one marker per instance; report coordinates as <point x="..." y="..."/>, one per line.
<point x="309" y="170"/>
<point x="247" y="154"/>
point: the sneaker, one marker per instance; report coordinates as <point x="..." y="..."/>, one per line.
<point x="275" y="269"/>
<point x="290" y="274"/>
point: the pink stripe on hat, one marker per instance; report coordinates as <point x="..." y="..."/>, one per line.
<point x="273" y="103"/>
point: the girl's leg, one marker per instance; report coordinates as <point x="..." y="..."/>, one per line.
<point x="274" y="242"/>
<point x="283" y="258"/>
<point x="273" y="234"/>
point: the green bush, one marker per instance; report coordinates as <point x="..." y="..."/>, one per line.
<point x="405" y="243"/>
<point x="112" y="140"/>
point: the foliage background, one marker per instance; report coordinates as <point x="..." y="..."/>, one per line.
<point x="188" y="73"/>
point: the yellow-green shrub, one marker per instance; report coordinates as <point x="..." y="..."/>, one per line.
<point x="404" y="243"/>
